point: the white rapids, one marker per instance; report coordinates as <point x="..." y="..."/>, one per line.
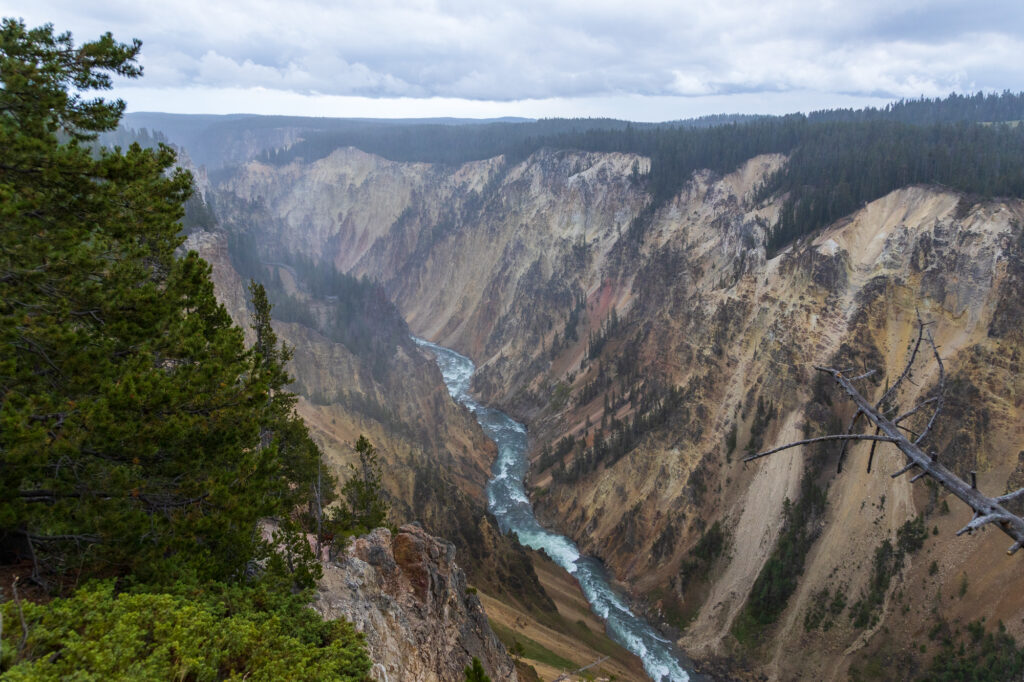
<point x="507" y="500"/>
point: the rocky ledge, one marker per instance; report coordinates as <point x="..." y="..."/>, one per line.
<point x="410" y="599"/>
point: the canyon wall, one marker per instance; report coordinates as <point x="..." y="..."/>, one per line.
<point x="650" y="348"/>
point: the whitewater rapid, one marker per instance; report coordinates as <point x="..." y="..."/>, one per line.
<point x="507" y="500"/>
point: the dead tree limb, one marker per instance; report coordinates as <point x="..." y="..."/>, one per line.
<point x="987" y="510"/>
<point x="915" y="409"/>
<point x="905" y="374"/>
<point x="871" y="457"/>
<point x="941" y="392"/>
<point x="849" y="430"/>
<point x="819" y="439"/>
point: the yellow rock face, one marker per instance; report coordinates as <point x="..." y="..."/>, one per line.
<point x="497" y="260"/>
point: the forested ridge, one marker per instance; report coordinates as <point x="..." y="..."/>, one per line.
<point x="840" y="166"/>
<point x="838" y="159"/>
<point x="141" y="442"/>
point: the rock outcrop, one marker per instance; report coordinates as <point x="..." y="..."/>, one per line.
<point x="405" y="593"/>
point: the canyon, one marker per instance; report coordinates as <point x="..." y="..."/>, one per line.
<point x="648" y="348"/>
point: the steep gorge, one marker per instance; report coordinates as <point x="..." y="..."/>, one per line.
<point x="436" y="458"/>
<point x="710" y="349"/>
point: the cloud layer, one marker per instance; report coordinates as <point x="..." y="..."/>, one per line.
<point x="526" y="49"/>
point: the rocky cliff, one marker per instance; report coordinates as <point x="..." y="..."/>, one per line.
<point x="649" y="350"/>
<point x="406" y="594"/>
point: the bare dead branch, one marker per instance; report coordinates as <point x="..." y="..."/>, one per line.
<point x="1010" y="497"/>
<point x="907" y="367"/>
<point x="819" y="439"/>
<point x="904" y="470"/>
<point x="980" y="520"/>
<point x="941" y="392"/>
<point x="987" y="510"/>
<point x="577" y="671"/>
<point x="917" y="408"/>
<point x="987" y="507"/>
<point x="912" y="432"/>
<point x="871" y="456"/>
<point x="849" y="430"/>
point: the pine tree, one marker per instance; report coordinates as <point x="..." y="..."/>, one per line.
<point x="138" y="436"/>
<point x="475" y="672"/>
<point x="270" y="355"/>
<point x="130" y="410"/>
<point x="281" y="427"/>
<point x="364" y="506"/>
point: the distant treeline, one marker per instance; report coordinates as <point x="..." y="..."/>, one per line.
<point x="125" y="137"/>
<point x="839" y="159"/>
<point x="976" y="108"/>
<point x="838" y="166"/>
<point x="440" y="143"/>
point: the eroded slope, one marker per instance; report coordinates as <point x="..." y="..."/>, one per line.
<point x="649" y="351"/>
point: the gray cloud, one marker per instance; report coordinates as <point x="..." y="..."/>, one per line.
<point x="526" y="49"/>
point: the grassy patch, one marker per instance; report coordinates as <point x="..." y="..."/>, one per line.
<point x="596" y="640"/>
<point x="533" y="650"/>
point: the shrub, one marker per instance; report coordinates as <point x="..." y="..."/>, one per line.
<point x="189" y="632"/>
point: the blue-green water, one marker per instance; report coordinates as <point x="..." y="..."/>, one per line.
<point x="507" y="500"/>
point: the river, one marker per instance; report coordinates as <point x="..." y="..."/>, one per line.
<point x="507" y="500"/>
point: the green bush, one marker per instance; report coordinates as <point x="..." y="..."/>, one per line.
<point x="984" y="657"/>
<point x="911" y="535"/>
<point x="710" y="546"/>
<point x="778" y="579"/>
<point x="887" y="562"/>
<point x="475" y="672"/>
<point x="209" y="633"/>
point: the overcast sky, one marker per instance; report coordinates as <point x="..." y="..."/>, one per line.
<point x="636" y="59"/>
